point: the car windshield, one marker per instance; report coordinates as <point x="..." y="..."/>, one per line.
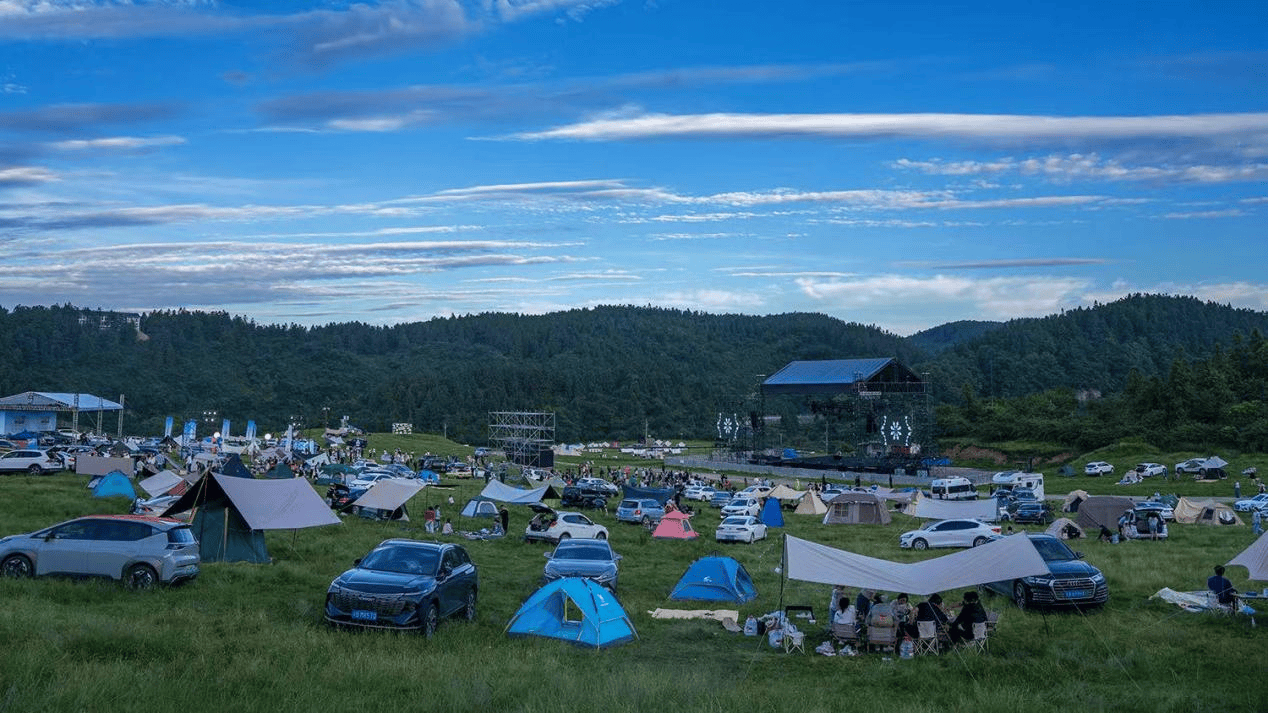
<point x="1053" y="550"/>
<point x="629" y="504"/>
<point x="402" y="560"/>
<point x="582" y="552"/>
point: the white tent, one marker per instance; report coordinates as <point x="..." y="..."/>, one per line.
<point x="388" y="494"/>
<point x="501" y="492"/>
<point x="783" y="492"/>
<point x="160" y="483"/>
<point x="1254" y="559"/>
<point x="1007" y="558"/>
<point x="934" y="509"/>
<point x="287" y="504"/>
<point x="811" y="505"/>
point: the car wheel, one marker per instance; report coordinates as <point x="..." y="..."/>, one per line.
<point x="565" y="536"/>
<point x="647" y="521"/>
<point x="140" y="577"/>
<point x="919" y="544"/>
<point x="35" y="469"/>
<point x="601" y="536"/>
<point x="17" y="566"/>
<point x="979" y="541"/>
<point x="1020" y="595"/>
<point x="431" y="620"/>
<point x="750" y="538"/>
<point x="469" y="611"/>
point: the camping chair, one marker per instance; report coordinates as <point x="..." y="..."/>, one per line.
<point x="927" y="640"/>
<point x="992" y="621"/>
<point x="882" y="637"/>
<point x="978" y="642"/>
<point x="794" y="640"/>
<point x="844" y="634"/>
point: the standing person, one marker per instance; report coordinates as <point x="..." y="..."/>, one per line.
<point x="505" y="516"/>
<point x="1257" y="522"/>
<point x="1237" y="489"/>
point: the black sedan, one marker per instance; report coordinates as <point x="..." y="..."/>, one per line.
<point x="405" y="584"/>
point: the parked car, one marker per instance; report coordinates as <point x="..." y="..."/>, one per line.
<point x="1069" y="582"/>
<point x="640" y="510"/>
<point x="699" y="492"/>
<point x="949" y="533"/>
<point x="740" y="528"/>
<point x="30" y="460"/>
<point x="369" y="478"/>
<point x="592" y="559"/>
<point x="756" y="491"/>
<point x="1258" y="502"/>
<point x="1030" y="512"/>
<point x="719" y="498"/>
<point x="405" y="584"/>
<point x="7" y="445"/>
<point x="138" y="550"/>
<point x="1162" y="509"/>
<point x="1192" y="466"/>
<point x="1098" y="467"/>
<point x="584" y="496"/>
<point x="548" y="525"/>
<point x="459" y="469"/>
<point x="1149" y="470"/>
<point x="599" y="484"/>
<point x="741" y="505"/>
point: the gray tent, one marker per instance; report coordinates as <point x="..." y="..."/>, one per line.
<point x="1103" y="510"/>
<point x="854" y="508"/>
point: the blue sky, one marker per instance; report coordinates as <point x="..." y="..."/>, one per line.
<point x="889" y="163"/>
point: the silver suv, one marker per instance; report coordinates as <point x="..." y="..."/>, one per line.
<point x="139" y="550"/>
<point x="31" y="461"/>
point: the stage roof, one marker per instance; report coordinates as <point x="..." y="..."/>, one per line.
<point x="56" y="401"/>
<point x="836" y="376"/>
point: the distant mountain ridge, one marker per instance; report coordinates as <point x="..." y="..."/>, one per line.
<point x="944" y="336"/>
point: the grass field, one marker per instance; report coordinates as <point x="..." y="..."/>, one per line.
<point x="251" y="637"/>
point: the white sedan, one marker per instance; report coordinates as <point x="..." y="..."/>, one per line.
<point x="1259" y="502"/>
<point x="699" y="492"/>
<point x="1149" y="470"/>
<point x="949" y="533"/>
<point x="740" y="528"/>
<point x="741" y="505"/>
<point x="1098" y="467"/>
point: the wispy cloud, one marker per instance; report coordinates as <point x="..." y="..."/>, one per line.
<point x="25" y="176"/>
<point x="76" y="118"/>
<point x="1074" y="167"/>
<point x="118" y="143"/>
<point x="1204" y="214"/>
<point x="1006" y="263"/>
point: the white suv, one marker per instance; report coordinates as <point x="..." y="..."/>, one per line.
<point x="741" y="505"/>
<point x="30" y="461"/>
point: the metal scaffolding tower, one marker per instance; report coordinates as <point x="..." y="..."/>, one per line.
<point x="526" y="437"/>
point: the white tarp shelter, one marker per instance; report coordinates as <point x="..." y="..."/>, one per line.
<point x="1254" y="559"/>
<point x="1007" y="558"/>
<point x="388" y="494"/>
<point x="503" y="493"/>
<point x="286" y="504"/>
<point x="935" y="509"/>
<point x="160" y="483"/>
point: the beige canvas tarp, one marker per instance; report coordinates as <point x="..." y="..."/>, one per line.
<point x="1006" y="558"/>
<point x="783" y="492"/>
<point x="1059" y="528"/>
<point x="935" y="509"/>
<point x="1254" y="559"/>
<point x="1073" y="500"/>
<point x="811" y="505"/>
<point x="852" y="508"/>
<point x="1205" y="512"/>
<point x="287" y="504"/>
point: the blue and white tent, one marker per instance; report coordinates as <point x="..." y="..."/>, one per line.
<point x="715" y="579"/>
<point x="576" y="610"/>
<point x="112" y="484"/>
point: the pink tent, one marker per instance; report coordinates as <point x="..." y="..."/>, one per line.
<point x="675" y="525"/>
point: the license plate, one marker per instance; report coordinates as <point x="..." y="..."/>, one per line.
<point x="1076" y="594"/>
<point x="363" y="615"/>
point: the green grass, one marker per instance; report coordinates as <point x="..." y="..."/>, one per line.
<point x="251" y="638"/>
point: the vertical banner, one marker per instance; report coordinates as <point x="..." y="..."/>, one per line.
<point x="191" y="432"/>
<point x="286" y="445"/>
<point x="224" y="428"/>
<point x="250" y="430"/>
<point x="167" y="427"/>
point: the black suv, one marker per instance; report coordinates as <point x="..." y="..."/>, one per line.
<point x="405" y="584"/>
<point x="1069" y="582"/>
<point x="584" y="496"/>
<point x="1030" y="511"/>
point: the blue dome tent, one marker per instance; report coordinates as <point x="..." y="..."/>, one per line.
<point x="576" y="610"/>
<point x="715" y="579"/>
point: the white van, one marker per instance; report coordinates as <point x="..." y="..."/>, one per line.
<point x="1009" y="480"/>
<point x="953" y="489"/>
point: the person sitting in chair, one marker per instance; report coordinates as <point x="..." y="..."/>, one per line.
<point x="931" y="610"/>
<point x="1222" y="588"/>
<point x="971" y="612"/>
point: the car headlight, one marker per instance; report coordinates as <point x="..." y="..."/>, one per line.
<point x="1038" y="581"/>
<point x="1098" y="578"/>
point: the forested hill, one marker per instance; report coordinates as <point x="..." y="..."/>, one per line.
<point x="1093" y="348"/>
<point x="945" y="336"/>
<point x="608" y="372"/>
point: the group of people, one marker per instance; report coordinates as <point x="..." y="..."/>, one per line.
<point x="870" y="608"/>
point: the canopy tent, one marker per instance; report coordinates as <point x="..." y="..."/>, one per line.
<point x="477" y="507"/>
<point x="389" y="494"/>
<point x="903" y="497"/>
<point x="503" y="493"/>
<point x="783" y="492"/>
<point x="675" y="525"/>
<point x="112" y="485"/>
<point x="771" y="515"/>
<point x="160" y="483"/>
<point x="1073" y="500"/>
<point x="715" y="579"/>
<point x="1205" y="512"/>
<point x="1254" y="559"/>
<point x="1099" y="511"/>
<point x="1061" y="528"/>
<point x="810" y="505"/>
<point x="1010" y="557"/>
<point x="576" y="610"/>
<point x="935" y="509"/>
<point x="231" y="514"/>
<point x="281" y="471"/>
<point x="660" y="495"/>
<point x="853" y="508"/>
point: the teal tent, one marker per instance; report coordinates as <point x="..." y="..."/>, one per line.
<point x="114" y="483"/>
<point x="280" y="471"/>
<point x="233" y="466"/>
<point x="771" y="514"/>
<point x="576" y="610"/>
<point x="715" y="579"/>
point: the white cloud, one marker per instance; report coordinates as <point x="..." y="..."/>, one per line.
<point x="118" y="143"/>
<point x="990" y="298"/>
<point x="24" y="175"/>
<point x="1204" y="214"/>
<point x="1091" y="167"/>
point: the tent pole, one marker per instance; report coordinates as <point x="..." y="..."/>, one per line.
<point x="783" y="570"/>
<point x="224" y="535"/>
